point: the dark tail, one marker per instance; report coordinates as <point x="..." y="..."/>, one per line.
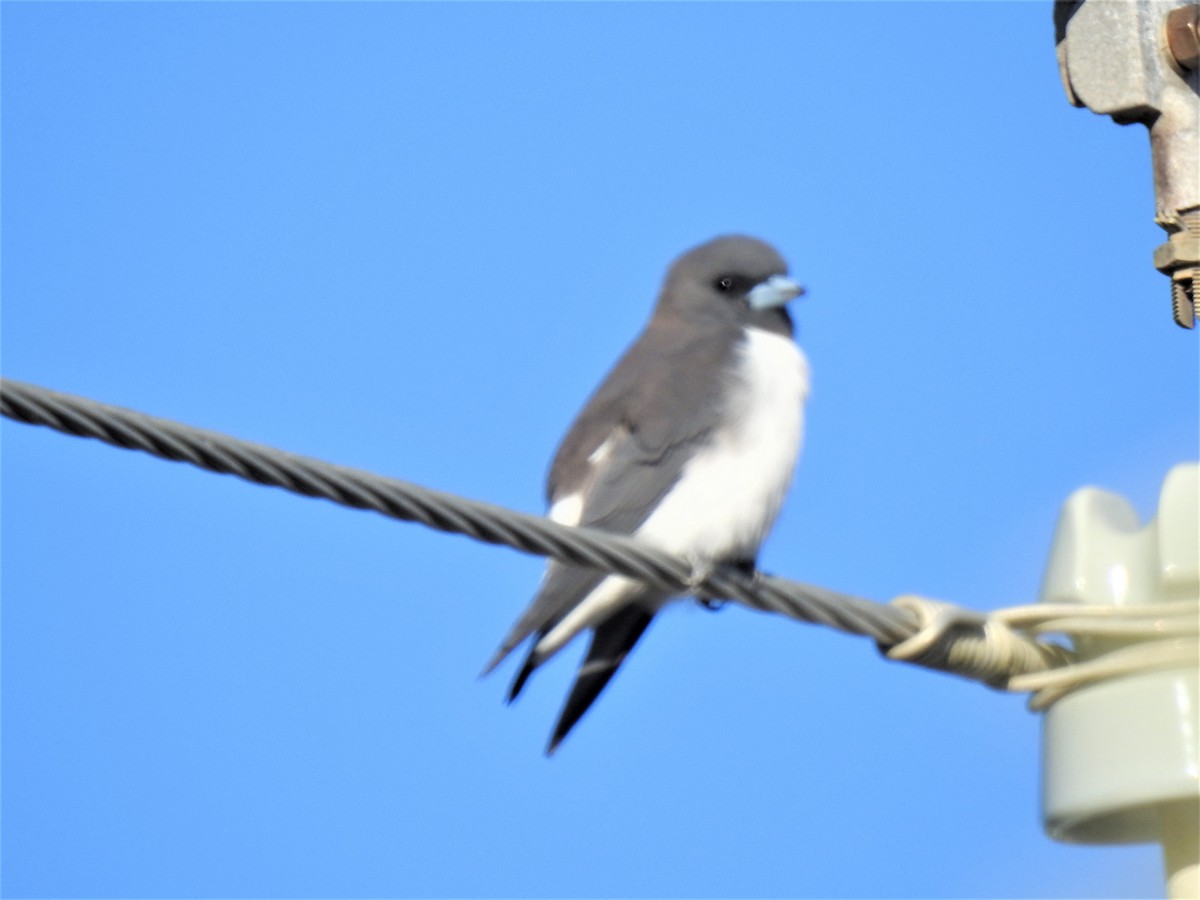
<point x="611" y="642"/>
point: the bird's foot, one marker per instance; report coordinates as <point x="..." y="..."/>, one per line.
<point x="701" y="569"/>
<point x="749" y="568"/>
<point x="746" y="566"/>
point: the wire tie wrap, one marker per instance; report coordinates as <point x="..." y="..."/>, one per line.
<point x="972" y="644"/>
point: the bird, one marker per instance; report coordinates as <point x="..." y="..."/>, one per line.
<point x="688" y="444"/>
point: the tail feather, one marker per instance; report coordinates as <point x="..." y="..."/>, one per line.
<point x="532" y="661"/>
<point x="611" y="642"/>
<point x="562" y="588"/>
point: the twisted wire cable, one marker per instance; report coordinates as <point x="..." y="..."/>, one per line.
<point x="901" y="628"/>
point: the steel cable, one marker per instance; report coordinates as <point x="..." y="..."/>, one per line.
<point x="886" y="624"/>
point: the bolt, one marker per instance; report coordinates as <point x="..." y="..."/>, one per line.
<point x="1183" y="303"/>
<point x="1183" y="35"/>
<point x="1179" y="260"/>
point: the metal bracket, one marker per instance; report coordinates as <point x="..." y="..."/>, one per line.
<point x="1137" y="61"/>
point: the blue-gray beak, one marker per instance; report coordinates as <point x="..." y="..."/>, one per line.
<point x="775" y="291"/>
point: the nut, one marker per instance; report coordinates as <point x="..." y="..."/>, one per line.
<point x="1183" y="36"/>
<point x="1180" y="250"/>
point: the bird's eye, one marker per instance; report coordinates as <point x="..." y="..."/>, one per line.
<point x="724" y="285"/>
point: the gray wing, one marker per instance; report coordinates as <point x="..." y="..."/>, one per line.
<point x="661" y="400"/>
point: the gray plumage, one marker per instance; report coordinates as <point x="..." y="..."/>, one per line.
<point x="667" y="399"/>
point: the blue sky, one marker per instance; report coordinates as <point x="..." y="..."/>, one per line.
<point x="410" y="238"/>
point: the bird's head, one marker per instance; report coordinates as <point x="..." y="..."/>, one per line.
<point x="734" y="279"/>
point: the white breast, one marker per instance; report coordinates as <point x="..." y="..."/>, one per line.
<point x="729" y="494"/>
